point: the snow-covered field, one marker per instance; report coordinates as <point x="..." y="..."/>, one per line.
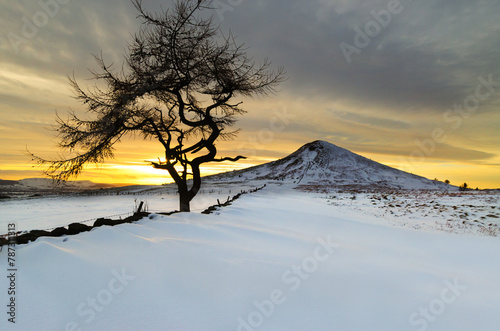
<point x="48" y="212"/>
<point x="278" y="259"/>
<point x="455" y="212"/>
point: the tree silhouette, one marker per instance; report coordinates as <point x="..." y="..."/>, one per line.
<point x="176" y="86"/>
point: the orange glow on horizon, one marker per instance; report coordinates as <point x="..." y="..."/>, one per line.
<point x="128" y="172"/>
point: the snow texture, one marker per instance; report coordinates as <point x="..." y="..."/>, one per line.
<point x="279" y="259"/>
<point x="323" y="164"/>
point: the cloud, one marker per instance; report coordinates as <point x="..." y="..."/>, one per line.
<point x="68" y="38"/>
<point x="427" y="58"/>
<point x="372" y="120"/>
<point x="424" y="61"/>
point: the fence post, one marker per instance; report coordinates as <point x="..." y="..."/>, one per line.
<point x="139" y="209"/>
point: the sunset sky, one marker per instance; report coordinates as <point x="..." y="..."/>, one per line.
<point x="411" y="84"/>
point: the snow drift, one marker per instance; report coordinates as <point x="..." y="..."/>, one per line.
<point x="268" y="262"/>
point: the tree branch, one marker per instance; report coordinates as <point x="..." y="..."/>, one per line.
<point x="232" y="159"/>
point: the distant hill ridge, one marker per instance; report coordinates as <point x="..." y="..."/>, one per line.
<point x="36" y="186"/>
<point x="46" y="183"/>
<point x="321" y="163"/>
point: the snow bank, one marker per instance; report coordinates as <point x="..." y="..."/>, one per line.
<point x="54" y="211"/>
<point x="268" y="262"/>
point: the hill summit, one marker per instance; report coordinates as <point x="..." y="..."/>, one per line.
<point x="321" y="163"/>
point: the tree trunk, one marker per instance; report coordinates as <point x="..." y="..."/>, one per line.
<point x="184" y="202"/>
<point x="184" y="194"/>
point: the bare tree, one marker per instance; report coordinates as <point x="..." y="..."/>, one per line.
<point x="176" y="86"/>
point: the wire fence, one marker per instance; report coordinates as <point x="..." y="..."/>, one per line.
<point x="127" y="214"/>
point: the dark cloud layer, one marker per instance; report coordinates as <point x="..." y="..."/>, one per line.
<point x="429" y="55"/>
